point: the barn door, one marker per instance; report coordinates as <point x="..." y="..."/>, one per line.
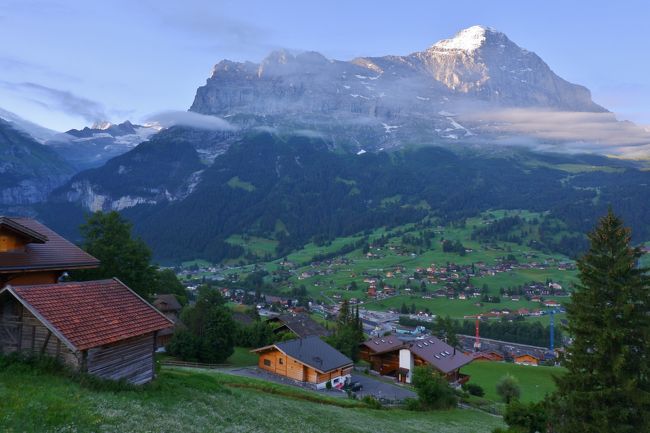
<point x="10" y="326"/>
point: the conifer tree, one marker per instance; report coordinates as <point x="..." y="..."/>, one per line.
<point x="607" y="387"/>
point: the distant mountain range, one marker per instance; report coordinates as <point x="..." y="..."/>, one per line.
<point x="307" y="146"/>
<point x="92" y="147"/>
<point x="29" y="170"/>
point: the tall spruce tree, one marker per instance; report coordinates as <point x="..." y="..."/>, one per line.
<point x="607" y="387"/>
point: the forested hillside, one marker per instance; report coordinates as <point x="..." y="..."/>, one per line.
<point x="294" y="189"/>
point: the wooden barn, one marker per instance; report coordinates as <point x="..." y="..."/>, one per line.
<point x="31" y="253"/>
<point x="308" y="360"/>
<point x="98" y="327"/>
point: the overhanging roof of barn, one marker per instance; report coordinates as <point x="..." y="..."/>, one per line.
<point x="90" y="313"/>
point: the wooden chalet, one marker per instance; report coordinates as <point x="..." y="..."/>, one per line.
<point x="309" y="360"/>
<point x="526" y="359"/>
<point x="299" y="324"/>
<point x="31" y="253"/>
<point x="390" y="356"/>
<point x="382" y="353"/>
<point x="486" y="356"/>
<point x="97" y="327"/>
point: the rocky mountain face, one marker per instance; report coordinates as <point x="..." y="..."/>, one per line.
<point x="165" y="168"/>
<point x="383" y="102"/>
<point x="28" y="169"/>
<point x="366" y="104"/>
<point x="92" y="147"/>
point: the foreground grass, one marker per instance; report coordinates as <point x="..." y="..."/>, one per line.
<point x="187" y="401"/>
<point x="535" y="382"/>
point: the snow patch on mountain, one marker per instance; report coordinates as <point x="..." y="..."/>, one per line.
<point x="468" y="39"/>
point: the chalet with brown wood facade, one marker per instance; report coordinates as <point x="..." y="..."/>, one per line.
<point x="382" y="353"/>
<point x="101" y="328"/>
<point x="309" y="360"/>
<point x="390" y="356"/>
<point x="486" y="356"/>
<point x="31" y="253"/>
<point x="526" y="359"/>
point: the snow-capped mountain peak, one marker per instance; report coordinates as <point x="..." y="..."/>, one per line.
<point x="102" y="125"/>
<point x="468" y="39"/>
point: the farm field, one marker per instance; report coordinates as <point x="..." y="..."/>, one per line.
<point x="454" y="308"/>
<point x="336" y="270"/>
<point x="535" y="382"/>
<point x="190" y="401"/>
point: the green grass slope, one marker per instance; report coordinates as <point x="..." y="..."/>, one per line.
<point x="535" y="382"/>
<point x="188" y="401"/>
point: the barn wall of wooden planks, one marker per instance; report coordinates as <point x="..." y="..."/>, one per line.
<point x="130" y="359"/>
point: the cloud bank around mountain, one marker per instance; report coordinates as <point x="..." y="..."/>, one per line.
<point x="565" y="131"/>
<point x="170" y="118"/>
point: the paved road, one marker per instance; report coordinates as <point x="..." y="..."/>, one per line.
<point x="380" y="389"/>
<point x="371" y="386"/>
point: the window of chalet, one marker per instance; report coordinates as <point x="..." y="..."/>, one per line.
<point x="280" y="361"/>
<point x="267" y="362"/>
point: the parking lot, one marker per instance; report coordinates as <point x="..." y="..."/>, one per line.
<point x="378" y="388"/>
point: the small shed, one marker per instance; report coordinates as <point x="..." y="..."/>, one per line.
<point x="308" y="360"/>
<point x="102" y="328"/>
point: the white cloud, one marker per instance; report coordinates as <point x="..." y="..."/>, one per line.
<point x="566" y="131"/>
<point x="191" y="119"/>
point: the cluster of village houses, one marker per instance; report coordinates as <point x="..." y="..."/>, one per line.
<point x="105" y="329"/>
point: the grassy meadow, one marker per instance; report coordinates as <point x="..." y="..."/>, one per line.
<point x="181" y="400"/>
<point x="535" y="381"/>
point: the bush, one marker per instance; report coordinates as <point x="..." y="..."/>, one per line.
<point x="433" y="390"/>
<point x="508" y="388"/>
<point x="372" y="402"/>
<point x="474" y="389"/>
<point x="328" y="385"/>
<point x="412" y="404"/>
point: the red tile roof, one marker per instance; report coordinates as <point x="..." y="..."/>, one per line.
<point x="91" y="313"/>
<point x="55" y="253"/>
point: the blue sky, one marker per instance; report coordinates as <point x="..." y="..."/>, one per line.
<point x="67" y="63"/>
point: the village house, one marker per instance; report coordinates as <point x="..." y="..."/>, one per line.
<point x="382" y="353"/>
<point x="526" y="359"/>
<point x="97" y="327"/>
<point x="486" y="356"/>
<point x="390" y="356"/>
<point x="309" y="360"/>
<point x="299" y="324"/>
<point x="31" y="253"/>
<point x="171" y="308"/>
